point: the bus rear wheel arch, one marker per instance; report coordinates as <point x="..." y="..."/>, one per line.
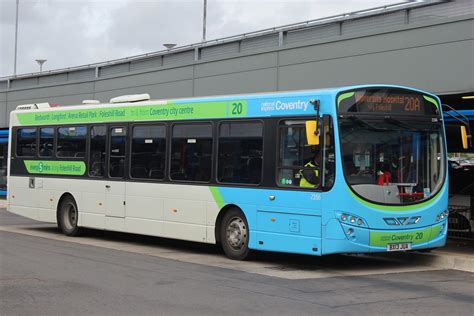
<point x="68" y="216"/>
<point x="233" y="234"/>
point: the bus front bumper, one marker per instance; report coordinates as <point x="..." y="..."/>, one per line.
<point x="353" y="239"/>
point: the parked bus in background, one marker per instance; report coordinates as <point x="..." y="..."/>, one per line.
<point x="344" y="170"/>
<point x="3" y="161"/>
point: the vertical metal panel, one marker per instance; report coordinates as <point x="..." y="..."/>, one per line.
<point x="442" y="11"/>
<point x="50" y="92"/>
<point x="4" y="118"/>
<point x="114" y="69"/>
<point x="4" y="85"/>
<point x="51" y="79"/>
<point x="392" y="67"/>
<point x="22" y="83"/>
<point x="260" y="42"/>
<point x="374" y="23"/>
<point x="81" y="74"/>
<point x="145" y="79"/>
<point x="234" y="65"/>
<point x="148" y="63"/>
<point x="219" y="51"/>
<point x="311" y="34"/>
<point x="176" y="89"/>
<point x="11" y="105"/>
<point x="242" y="82"/>
<point x="178" y="58"/>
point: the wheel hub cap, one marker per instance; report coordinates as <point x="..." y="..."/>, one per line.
<point x="236" y="233"/>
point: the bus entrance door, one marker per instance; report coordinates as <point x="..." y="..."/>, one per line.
<point x="115" y="190"/>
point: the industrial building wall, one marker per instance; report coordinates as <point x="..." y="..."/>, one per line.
<point x="434" y="55"/>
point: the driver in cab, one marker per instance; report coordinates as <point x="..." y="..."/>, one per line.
<point x="310" y="174"/>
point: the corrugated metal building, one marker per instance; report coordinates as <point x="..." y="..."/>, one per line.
<point x="428" y="45"/>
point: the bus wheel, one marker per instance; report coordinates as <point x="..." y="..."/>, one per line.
<point x="234" y="235"/>
<point x="68" y="216"/>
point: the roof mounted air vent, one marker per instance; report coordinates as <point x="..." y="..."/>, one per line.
<point x="33" y="106"/>
<point x="90" y="102"/>
<point x="130" y="98"/>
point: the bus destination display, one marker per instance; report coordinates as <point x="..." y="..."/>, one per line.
<point x="385" y="102"/>
<point x="389" y="103"/>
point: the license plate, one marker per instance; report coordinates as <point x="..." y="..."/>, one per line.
<point x="399" y="247"/>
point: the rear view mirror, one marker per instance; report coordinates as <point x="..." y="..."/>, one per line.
<point x="463" y="137"/>
<point x="312" y="134"/>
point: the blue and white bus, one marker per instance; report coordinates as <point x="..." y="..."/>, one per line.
<point x="355" y="169"/>
<point x="3" y="161"/>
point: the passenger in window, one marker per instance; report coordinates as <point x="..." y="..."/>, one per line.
<point x="310" y="173"/>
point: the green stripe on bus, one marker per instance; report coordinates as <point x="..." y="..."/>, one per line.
<point x="344" y="96"/>
<point x="153" y="112"/>
<point x="75" y="168"/>
<point x="382" y="239"/>
<point x="395" y="207"/>
<point x="217" y="197"/>
<point x="427" y="98"/>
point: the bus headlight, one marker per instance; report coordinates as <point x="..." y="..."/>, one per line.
<point x="442" y="215"/>
<point x="352" y="219"/>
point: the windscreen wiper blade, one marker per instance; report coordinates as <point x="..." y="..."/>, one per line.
<point x="399" y="123"/>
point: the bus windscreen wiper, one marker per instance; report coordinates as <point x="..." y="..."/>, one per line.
<point x="399" y="123"/>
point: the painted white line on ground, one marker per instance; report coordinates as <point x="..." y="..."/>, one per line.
<point x="273" y="269"/>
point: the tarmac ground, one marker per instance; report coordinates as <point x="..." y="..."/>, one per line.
<point x="43" y="272"/>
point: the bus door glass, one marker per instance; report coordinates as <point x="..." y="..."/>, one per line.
<point x="115" y="190"/>
<point x="3" y="165"/>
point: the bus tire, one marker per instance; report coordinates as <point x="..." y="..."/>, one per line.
<point x="68" y="217"/>
<point x="234" y="235"/>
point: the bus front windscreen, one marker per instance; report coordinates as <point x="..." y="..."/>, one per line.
<point x="391" y="159"/>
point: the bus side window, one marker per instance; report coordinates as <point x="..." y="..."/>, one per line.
<point x="97" y="151"/>
<point x="118" y="139"/>
<point x="148" y="152"/>
<point x="72" y="142"/>
<point x="329" y="162"/>
<point x="46" y="142"/>
<point x="240" y="152"/>
<point x="299" y="164"/>
<point x="191" y="152"/>
<point x="26" y="142"/>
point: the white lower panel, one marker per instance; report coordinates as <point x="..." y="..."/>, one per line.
<point x="144" y="226"/>
<point x="47" y="215"/>
<point x="24" y="211"/>
<point x="94" y="202"/>
<point x="184" y="231"/>
<point x="39" y="214"/>
<point x="92" y="220"/>
<point x="174" y="211"/>
<point x="211" y="236"/>
<point x="146" y="207"/>
<point x="115" y="223"/>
